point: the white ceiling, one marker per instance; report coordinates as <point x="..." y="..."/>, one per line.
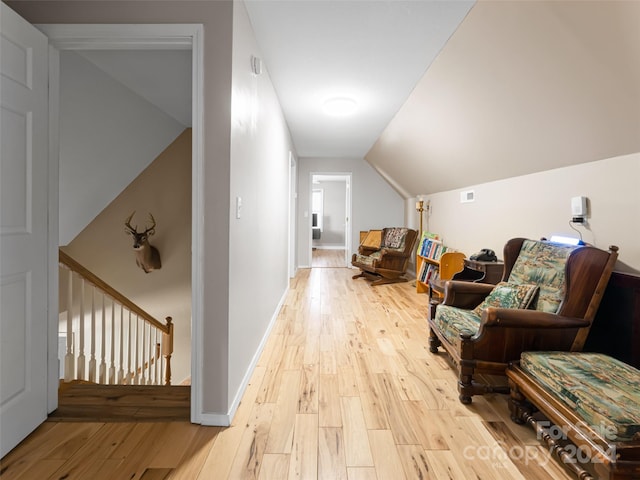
<point x="162" y="77"/>
<point x="373" y="51"/>
<point x="520" y="86"/>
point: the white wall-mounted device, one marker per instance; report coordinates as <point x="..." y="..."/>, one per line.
<point x="579" y="206"/>
<point x="256" y="65"/>
<point x="238" y="207"/>
<point x="467" y="196"/>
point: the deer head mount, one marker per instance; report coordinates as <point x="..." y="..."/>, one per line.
<point x="147" y="256"/>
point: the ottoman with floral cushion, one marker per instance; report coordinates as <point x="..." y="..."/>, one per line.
<point x="588" y="410"/>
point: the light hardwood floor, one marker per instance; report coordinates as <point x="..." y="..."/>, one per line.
<point x="345" y="389"/>
<point x="324" y="258"/>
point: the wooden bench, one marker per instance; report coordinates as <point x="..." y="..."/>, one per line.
<point x="585" y="406"/>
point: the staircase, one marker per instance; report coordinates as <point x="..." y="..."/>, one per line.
<point x="109" y="339"/>
<point x="115" y="358"/>
<point x="85" y="402"/>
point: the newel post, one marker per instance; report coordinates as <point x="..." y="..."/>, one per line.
<point x="167" y="350"/>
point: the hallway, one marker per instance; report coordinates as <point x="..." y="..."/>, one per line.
<point x="325" y="258"/>
<point x="345" y="389"/>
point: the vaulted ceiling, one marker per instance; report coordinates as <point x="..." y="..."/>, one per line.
<point x="512" y="88"/>
<point x="450" y="93"/>
<point x="372" y="52"/>
<point x="520" y="87"/>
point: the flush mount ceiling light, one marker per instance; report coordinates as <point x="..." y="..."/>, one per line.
<point x="339" y="106"/>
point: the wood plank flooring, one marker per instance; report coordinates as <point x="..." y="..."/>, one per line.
<point x="325" y="258"/>
<point x="345" y="389"/>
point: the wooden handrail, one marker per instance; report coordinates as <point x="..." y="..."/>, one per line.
<point x="73" y="265"/>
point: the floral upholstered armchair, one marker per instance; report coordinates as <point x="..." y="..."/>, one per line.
<point x="547" y="301"/>
<point x="388" y="262"/>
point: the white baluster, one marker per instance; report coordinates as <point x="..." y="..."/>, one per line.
<point x="121" y="369"/>
<point x="136" y="371"/>
<point x="156" y="358"/>
<point x="69" y="360"/>
<point x="143" y="377"/>
<point x="129" y="359"/>
<point x="92" y="336"/>
<point x="150" y="369"/>
<point x="81" y="358"/>
<point x="112" y="368"/>
<point x="103" y="343"/>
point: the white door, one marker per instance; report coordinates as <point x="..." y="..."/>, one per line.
<point x="23" y="228"/>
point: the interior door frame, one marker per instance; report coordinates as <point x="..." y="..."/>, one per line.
<point x="347" y="176"/>
<point x="139" y="37"/>
<point x="293" y="211"/>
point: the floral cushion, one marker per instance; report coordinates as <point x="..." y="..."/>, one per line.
<point x="543" y="264"/>
<point x="452" y="321"/>
<point x="394" y="238"/>
<point x="508" y="295"/>
<point x="602" y="390"/>
<point x="368" y="259"/>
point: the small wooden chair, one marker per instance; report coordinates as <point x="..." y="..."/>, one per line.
<point x="387" y="261"/>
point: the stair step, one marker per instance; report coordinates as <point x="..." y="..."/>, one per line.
<point x="122" y="403"/>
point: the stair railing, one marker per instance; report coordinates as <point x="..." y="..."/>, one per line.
<point x="126" y="345"/>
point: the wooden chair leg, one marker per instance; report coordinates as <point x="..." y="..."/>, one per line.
<point x="465" y="384"/>
<point x="385" y="280"/>
<point x="434" y="342"/>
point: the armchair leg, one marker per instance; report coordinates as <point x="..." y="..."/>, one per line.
<point x="361" y="274"/>
<point x="434" y="342"/>
<point x="468" y="388"/>
<point x="385" y="280"/>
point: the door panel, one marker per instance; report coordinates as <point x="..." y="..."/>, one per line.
<point x="23" y="228"/>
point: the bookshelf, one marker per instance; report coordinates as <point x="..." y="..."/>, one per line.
<point x="434" y="261"/>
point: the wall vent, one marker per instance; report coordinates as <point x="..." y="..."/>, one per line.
<point x="467" y="196"/>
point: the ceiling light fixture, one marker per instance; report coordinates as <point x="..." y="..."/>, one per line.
<point x="339" y="106"/>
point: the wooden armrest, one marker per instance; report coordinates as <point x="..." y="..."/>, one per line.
<point x="465" y="294"/>
<point x="518" y="318"/>
<point x="364" y="250"/>
<point x="393" y="253"/>
<point x="469" y="287"/>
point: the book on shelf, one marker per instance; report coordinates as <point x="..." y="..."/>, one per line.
<point x="431" y="246"/>
<point x="428" y="271"/>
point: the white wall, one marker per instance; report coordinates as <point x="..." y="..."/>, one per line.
<point x="108" y="135"/>
<point x="216" y="17"/>
<point x="334" y="214"/>
<point x="258" y="240"/>
<point x="374" y="203"/>
<point x="538" y="205"/>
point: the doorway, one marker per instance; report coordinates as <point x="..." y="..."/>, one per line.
<point x="151" y="38"/>
<point x="330" y="217"/>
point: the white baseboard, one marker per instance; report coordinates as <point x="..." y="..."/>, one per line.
<point x="252" y="365"/>
<point x="329" y="247"/>
<point x="215" y="420"/>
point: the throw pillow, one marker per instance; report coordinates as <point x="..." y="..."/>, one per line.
<point x="508" y="295"/>
<point x="394" y="237"/>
